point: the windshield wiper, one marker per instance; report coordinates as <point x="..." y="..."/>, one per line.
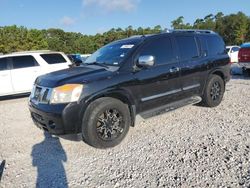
<point x="98" y="64"/>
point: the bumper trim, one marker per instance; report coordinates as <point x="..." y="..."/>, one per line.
<point x="58" y="119"/>
<point x="48" y="122"/>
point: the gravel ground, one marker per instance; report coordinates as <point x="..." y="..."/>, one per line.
<point x="192" y="146"/>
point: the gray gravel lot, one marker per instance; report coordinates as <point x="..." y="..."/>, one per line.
<point x="192" y="146"/>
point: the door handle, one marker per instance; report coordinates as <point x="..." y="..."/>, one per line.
<point x="174" y="69"/>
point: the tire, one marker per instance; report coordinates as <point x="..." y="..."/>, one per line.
<point x="214" y="91"/>
<point x="106" y="122"/>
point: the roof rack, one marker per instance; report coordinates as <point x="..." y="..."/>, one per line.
<point x="189" y="31"/>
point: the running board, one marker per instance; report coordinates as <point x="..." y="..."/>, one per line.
<point x="170" y="107"/>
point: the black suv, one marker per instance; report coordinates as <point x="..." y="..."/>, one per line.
<point x="141" y="75"/>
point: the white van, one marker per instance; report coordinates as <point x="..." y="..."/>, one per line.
<point x="18" y="71"/>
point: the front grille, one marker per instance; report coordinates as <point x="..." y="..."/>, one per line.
<point x="40" y="94"/>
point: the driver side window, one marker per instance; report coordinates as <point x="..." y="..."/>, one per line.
<point x="161" y="49"/>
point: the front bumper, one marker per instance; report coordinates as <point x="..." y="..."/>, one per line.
<point x="56" y="119"/>
<point x="245" y="64"/>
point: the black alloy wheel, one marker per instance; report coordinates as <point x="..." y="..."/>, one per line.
<point x="110" y="125"/>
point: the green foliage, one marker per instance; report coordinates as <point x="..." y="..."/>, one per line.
<point x="234" y="28"/>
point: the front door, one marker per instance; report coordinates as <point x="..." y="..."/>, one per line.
<point x="159" y="84"/>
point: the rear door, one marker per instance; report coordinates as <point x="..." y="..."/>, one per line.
<point x="159" y="84"/>
<point x="192" y="65"/>
<point x="5" y="77"/>
<point x="24" y="72"/>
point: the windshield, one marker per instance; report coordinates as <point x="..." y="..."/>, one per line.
<point x="112" y="54"/>
<point x="228" y="49"/>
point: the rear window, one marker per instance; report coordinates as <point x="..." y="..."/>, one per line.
<point x="53" y="58"/>
<point x="235" y="49"/>
<point x="188" y="47"/>
<point x="215" y="44"/>
<point x="3" y="64"/>
<point x="23" y="62"/>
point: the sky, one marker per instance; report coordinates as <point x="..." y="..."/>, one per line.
<point x="97" y="16"/>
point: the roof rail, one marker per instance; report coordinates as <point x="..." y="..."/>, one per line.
<point x="34" y="51"/>
<point x="135" y="36"/>
<point x="138" y="36"/>
<point x="190" y="31"/>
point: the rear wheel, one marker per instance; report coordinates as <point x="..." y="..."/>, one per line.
<point x="214" y="91"/>
<point x="105" y="123"/>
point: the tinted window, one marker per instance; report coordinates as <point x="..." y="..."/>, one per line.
<point x="23" y="62"/>
<point x="53" y="58"/>
<point x="3" y="64"/>
<point x="187" y="46"/>
<point x="215" y="45"/>
<point x="161" y="49"/>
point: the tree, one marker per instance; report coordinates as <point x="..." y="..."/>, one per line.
<point x="234" y="28"/>
<point x="178" y="23"/>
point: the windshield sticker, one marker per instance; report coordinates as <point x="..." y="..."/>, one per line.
<point x="127" y="46"/>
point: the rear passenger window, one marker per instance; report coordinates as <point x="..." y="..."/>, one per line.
<point x="188" y="47"/>
<point x="23" y="62"/>
<point x="215" y="45"/>
<point x="3" y="64"/>
<point x="53" y="58"/>
<point x="161" y="49"/>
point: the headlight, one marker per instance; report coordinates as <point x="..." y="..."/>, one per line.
<point x="66" y="93"/>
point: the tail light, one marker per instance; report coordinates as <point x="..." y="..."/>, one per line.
<point x="239" y="55"/>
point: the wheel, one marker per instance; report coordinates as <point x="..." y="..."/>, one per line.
<point x="214" y="91"/>
<point x="106" y="122"/>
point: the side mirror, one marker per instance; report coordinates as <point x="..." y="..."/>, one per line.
<point x="78" y="63"/>
<point x="146" y="61"/>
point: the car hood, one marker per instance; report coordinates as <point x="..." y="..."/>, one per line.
<point x="73" y="75"/>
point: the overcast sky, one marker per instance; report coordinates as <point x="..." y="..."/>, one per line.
<point x="93" y="16"/>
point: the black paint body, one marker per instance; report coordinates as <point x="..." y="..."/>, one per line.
<point x="141" y="88"/>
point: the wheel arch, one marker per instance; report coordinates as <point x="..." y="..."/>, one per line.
<point x="217" y="72"/>
<point x="121" y="95"/>
<point x="220" y="73"/>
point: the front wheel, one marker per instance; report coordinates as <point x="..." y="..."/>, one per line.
<point x="106" y="122"/>
<point x="214" y="91"/>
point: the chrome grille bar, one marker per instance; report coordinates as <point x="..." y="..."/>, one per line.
<point x="41" y="94"/>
